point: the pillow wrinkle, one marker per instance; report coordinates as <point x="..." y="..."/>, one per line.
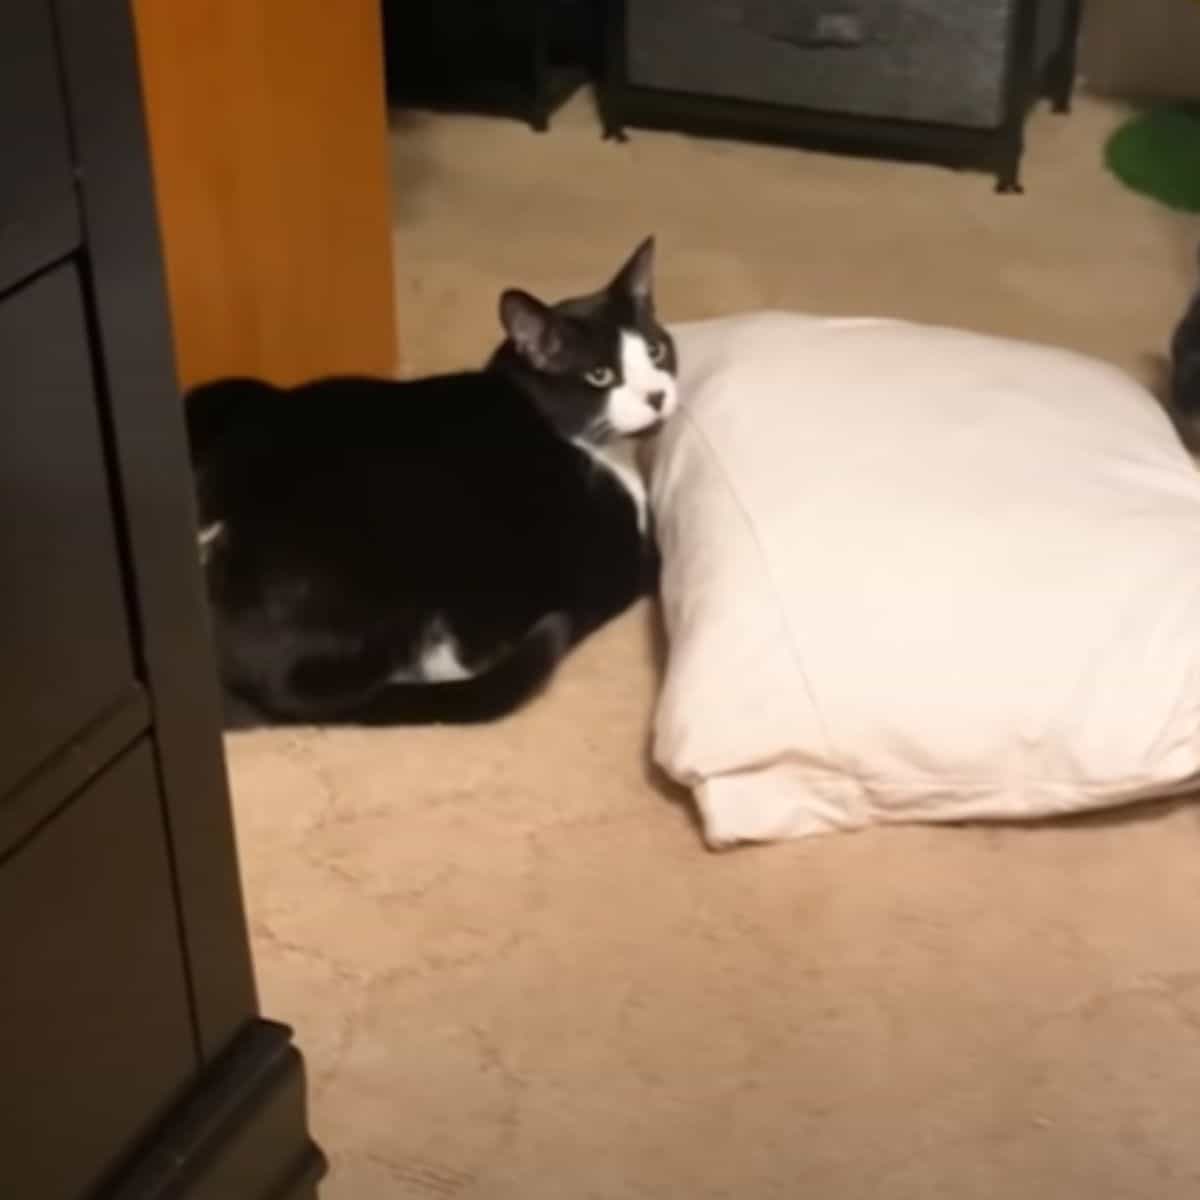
<point x="832" y="752"/>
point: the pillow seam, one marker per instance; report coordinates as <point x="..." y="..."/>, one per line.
<point x="831" y="746"/>
<point x="891" y="784"/>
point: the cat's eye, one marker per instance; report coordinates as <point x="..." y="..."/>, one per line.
<point x="656" y="350"/>
<point x="601" y="377"/>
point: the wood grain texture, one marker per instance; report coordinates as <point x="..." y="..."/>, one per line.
<point x="268" y="133"/>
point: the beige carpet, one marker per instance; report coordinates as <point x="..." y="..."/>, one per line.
<point x="516" y="973"/>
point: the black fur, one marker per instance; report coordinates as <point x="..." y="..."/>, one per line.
<point x="1185" y="371"/>
<point x="347" y="522"/>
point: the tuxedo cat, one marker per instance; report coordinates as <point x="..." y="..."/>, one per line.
<point x="382" y="552"/>
<point x="1185" y="372"/>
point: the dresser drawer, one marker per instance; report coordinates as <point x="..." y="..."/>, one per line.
<point x="936" y="61"/>
<point x="64" y="635"/>
<point x="39" y="220"/>
<point x="95" y="1032"/>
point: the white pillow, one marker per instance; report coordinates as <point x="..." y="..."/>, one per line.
<point x="918" y="574"/>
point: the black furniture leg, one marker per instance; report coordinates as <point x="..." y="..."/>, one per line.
<point x="1008" y="162"/>
<point x="1061" y="76"/>
<point x="611" y="76"/>
<point x="539" y="113"/>
<point x="1021" y="92"/>
<point x="613" y="126"/>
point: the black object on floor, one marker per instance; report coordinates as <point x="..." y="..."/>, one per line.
<point x="937" y="79"/>
<point x="517" y="58"/>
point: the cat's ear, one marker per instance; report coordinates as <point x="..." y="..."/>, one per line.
<point x="636" y="278"/>
<point x="532" y="327"/>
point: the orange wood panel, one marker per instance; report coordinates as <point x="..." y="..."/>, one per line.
<point x="268" y="134"/>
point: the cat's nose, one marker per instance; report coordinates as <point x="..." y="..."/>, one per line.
<point x="656" y="400"/>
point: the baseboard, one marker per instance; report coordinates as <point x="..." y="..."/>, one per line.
<point x="240" y="1134"/>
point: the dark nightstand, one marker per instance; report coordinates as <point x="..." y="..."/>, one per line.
<point x="943" y="79"/>
<point x="486" y="56"/>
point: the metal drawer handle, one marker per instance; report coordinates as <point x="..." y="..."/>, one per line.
<point x="807" y="26"/>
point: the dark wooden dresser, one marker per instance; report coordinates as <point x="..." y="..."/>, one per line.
<point x="133" y="1061"/>
<point x="943" y="79"/>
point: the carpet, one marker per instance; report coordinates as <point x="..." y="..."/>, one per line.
<point x="514" y="970"/>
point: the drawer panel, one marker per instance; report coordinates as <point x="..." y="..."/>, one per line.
<point x="95" y="1032"/>
<point x="64" y="636"/>
<point x="917" y="60"/>
<point x="39" y="219"/>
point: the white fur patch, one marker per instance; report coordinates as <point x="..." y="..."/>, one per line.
<point x="440" y="662"/>
<point x="629" y="407"/>
<point x="437" y="659"/>
<point x="617" y="459"/>
<point x="207" y="539"/>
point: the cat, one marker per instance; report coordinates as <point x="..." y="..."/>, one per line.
<point x="1184" y="401"/>
<point x="379" y="552"/>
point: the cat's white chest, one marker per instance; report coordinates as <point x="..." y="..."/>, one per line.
<point x="619" y="460"/>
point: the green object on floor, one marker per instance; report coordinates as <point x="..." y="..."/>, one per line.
<point x="1158" y="153"/>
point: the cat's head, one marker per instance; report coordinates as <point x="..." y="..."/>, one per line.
<point x="598" y="365"/>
